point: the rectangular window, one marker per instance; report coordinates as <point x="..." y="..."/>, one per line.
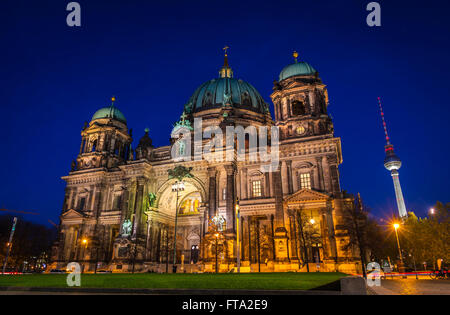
<point x="82" y="203"/>
<point x="305" y="180"/>
<point x="256" y="188"/>
<point x="117" y="202"/>
<point x="224" y="194"/>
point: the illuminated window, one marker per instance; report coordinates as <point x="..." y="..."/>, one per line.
<point x="224" y="194"/>
<point x="305" y="180"/>
<point x="190" y="205"/>
<point x="256" y="188"/>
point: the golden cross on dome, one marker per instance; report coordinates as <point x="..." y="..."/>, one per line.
<point x="113" y="99"/>
<point x="226" y="50"/>
<point x="295" y="55"/>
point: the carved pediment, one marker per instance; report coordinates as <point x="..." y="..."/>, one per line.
<point x="72" y="214"/>
<point x="306" y="195"/>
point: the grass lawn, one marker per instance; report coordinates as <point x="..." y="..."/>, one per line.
<point x="262" y="281"/>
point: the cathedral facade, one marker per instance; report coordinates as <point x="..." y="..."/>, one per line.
<point x="126" y="209"/>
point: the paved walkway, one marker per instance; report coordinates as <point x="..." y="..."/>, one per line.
<point x="411" y="286"/>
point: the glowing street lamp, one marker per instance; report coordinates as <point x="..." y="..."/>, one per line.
<point x="85" y="242"/>
<point x="238" y="246"/>
<point x="396" y="227"/>
<point x="312" y="221"/>
<point x="432" y="211"/>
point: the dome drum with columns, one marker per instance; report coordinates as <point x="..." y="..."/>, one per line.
<point x="121" y="201"/>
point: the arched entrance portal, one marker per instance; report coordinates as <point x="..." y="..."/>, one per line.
<point x="190" y="217"/>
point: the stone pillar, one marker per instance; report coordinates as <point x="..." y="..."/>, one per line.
<point x="230" y="198"/>
<point x="278" y="194"/>
<point x="319" y="182"/>
<point x="326" y="175"/>
<point x="249" y="225"/>
<point x="266" y="185"/>
<point x="284" y="178"/>
<point x="138" y="207"/>
<point x="244" y="193"/>
<point x="289" y="176"/>
<point x="295" y="181"/>
<point x="125" y="205"/>
<point x="82" y="145"/>
<point x="270" y="184"/>
<point x="212" y="192"/>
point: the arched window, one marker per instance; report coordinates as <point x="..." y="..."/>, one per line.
<point x="94" y="146"/>
<point x="208" y="100"/>
<point x="246" y="100"/>
<point x="298" y="108"/>
<point x="181" y="148"/>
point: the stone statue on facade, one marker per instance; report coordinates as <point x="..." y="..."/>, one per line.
<point x="126" y="228"/>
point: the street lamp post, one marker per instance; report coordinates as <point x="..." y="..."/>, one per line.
<point x="238" y="244"/>
<point x="176" y="187"/>
<point x="217" y="252"/>
<point x="396" y="226"/>
<point x="178" y="173"/>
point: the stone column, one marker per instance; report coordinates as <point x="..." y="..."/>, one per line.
<point x="212" y="192"/>
<point x="138" y="207"/>
<point x="295" y="181"/>
<point x="284" y="178"/>
<point x="249" y="224"/>
<point x="230" y="198"/>
<point x="270" y="184"/>
<point x="289" y="176"/>
<point x="326" y="175"/>
<point x="266" y="185"/>
<point x="125" y="204"/>
<point x="244" y="193"/>
<point x="319" y="182"/>
<point x="278" y="194"/>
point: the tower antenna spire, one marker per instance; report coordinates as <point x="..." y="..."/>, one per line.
<point x="384" y="122"/>
<point x="393" y="163"/>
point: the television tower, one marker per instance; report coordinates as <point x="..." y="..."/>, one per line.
<point x="393" y="163"/>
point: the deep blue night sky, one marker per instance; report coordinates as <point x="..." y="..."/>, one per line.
<point x="153" y="55"/>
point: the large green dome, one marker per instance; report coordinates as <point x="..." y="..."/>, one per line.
<point x="109" y="112"/>
<point x="227" y="91"/>
<point x="298" y="68"/>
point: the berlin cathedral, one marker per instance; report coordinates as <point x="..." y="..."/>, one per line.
<point x="123" y="211"/>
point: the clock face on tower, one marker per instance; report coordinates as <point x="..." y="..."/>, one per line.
<point x="300" y="130"/>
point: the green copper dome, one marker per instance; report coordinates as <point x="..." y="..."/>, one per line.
<point x="109" y="112"/>
<point x="226" y="91"/>
<point x="298" y="68"/>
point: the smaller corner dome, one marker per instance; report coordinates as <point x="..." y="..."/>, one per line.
<point x="145" y="141"/>
<point x="298" y="68"/>
<point x="110" y="112"/>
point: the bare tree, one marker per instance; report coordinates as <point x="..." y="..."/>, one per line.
<point x="355" y="222"/>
